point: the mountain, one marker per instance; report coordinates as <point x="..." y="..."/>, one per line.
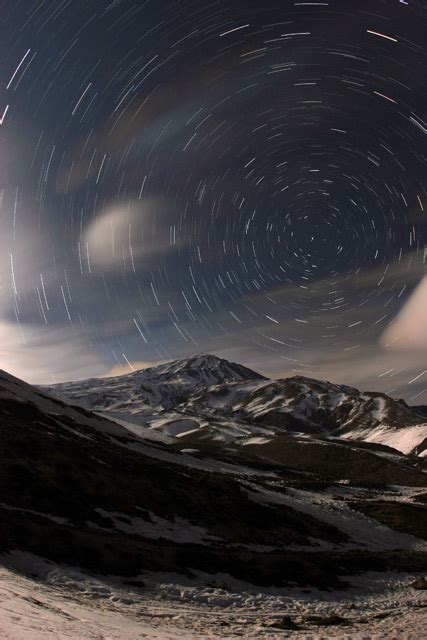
<point x="309" y="406"/>
<point x="165" y="386"/>
<point x="208" y="398"/>
<point x="202" y="369"/>
<point x="80" y="490"/>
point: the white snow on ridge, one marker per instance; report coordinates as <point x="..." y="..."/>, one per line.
<point x="404" y="440"/>
<point x="379" y="413"/>
<point x="256" y="440"/>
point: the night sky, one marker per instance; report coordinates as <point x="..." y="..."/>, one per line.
<point x="235" y="177"/>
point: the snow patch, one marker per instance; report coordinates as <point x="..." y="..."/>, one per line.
<point x="177" y="530"/>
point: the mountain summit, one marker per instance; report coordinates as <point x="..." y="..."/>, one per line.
<point x="203" y="369"/>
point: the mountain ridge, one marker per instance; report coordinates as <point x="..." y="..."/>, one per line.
<point x="196" y="394"/>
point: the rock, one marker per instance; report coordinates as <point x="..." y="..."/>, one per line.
<point x="419" y="583"/>
<point x="134" y="583"/>
<point x="286" y="623"/>
<point x="218" y="584"/>
<point x="326" y="621"/>
<point x="246" y="556"/>
<point x="381" y="616"/>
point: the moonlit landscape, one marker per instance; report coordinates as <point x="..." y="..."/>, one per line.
<point x="213" y="319"/>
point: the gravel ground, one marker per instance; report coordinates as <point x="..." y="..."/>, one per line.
<point x="68" y="604"/>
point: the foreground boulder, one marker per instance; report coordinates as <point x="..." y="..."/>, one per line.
<point x="419" y="583"/>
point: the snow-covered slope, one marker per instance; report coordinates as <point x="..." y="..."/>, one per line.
<point x="219" y="400"/>
<point x="408" y="440"/>
<point x="316" y="407"/>
<point x="311" y="403"/>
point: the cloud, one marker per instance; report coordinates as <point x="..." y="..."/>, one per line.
<point x="124" y="232"/>
<point x="46" y="355"/>
<point x="24" y="253"/>
<point x="409" y="330"/>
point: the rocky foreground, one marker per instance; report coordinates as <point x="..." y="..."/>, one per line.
<point x="58" y="602"/>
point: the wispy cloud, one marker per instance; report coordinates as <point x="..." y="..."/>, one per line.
<point x="125" y="232"/>
<point x="42" y="355"/>
<point x="409" y="330"/>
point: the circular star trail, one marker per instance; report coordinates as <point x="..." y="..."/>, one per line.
<point x="242" y="178"/>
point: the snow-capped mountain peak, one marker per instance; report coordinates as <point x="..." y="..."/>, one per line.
<point x="203" y="369"/>
<point x="165" y="386"/>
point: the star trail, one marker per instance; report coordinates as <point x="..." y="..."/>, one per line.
<point x="240" y="178"/>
